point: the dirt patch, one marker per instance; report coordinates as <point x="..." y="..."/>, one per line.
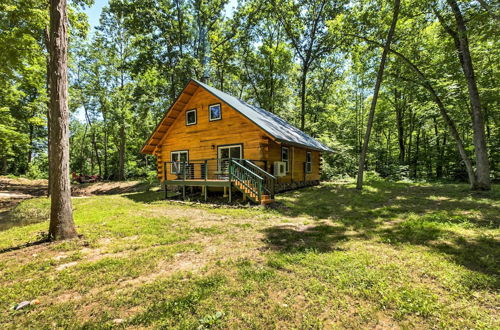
<point x="108" y="188"/>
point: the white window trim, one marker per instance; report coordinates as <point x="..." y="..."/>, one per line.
<point x="210" y="112"/>
<point x="229" y="146"/>
<point x="195" y="117"/>
<point x="172" y="164"/>
<point x="309" y="164"/>
<point x="288" y="160"/>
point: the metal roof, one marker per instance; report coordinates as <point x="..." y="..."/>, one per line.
<point x="275" y="126"/>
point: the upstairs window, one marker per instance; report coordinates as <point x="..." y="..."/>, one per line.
<point x="308" y="162"/>
<point x="191" y="117"/>
<point x="215" y="112"/>
<point x="285" y="157"/>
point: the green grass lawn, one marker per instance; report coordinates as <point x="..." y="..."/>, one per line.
<point x="396" y="255"/>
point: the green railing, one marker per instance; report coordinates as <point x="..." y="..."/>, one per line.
<point x="248" y="179"/>
<point x="269" y="180"/>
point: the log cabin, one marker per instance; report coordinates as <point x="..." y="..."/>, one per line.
<point x="208" y="139"/>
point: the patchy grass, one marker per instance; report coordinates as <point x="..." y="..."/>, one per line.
<point x="395" y="255"/>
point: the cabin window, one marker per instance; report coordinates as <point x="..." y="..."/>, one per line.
<point x="285" y="157"/>
<point x="215" y="112"/>
<point x="191" y="117"/>
<point x="308" y="162"/>
<point x="230" y="151"/>
<point x="178" y="159"/>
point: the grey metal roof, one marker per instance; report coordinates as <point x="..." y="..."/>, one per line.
<point x="277" y="127"/>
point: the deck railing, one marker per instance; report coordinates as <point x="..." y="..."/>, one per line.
<point x="269" y="180"/>
<point x="246" y="178"/>
<point x="246" y="172"/>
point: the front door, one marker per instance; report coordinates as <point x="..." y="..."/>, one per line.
<point x="224" y="153"/>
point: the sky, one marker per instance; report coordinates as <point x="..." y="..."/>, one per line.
<point x="94" y="12"/>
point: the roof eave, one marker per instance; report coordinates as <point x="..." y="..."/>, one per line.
<point x="295" y="144"/>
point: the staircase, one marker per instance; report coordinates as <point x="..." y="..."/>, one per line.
<point x="252" y="181"/>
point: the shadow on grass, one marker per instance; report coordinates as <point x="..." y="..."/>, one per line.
<point x="382" y="201"/>
<point x="320" y="238"/>
<point x="424" y="215"/>
<point x="146" y="196"/>
<point x="480" y="254"/>
<point x="40" y="241"/>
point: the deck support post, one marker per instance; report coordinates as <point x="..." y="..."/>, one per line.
<point x="184" y="182"/>
<point x="229" y="178"/>
<point x="205" y="187"/>
<point x="165" y="179"/>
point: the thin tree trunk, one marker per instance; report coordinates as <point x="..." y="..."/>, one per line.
<point x="121" y="155"/>
<point x="3" y="169"/>
<point x="30" y="145"/>
<point x="106" y="173"/>
<point x="303" y="81"/>
<point x="61" y="213"/>
<point x="481" y="151"/>
<point x="416" y="157"/>
<point x="47" y="86"/>
<point x="371" y="115"/>
<point x="399" y="123"/>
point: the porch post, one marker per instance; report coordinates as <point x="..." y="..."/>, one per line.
<point x="165" y="179"/>
<point x="184" y="181"/>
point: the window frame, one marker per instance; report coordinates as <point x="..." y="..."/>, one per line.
<point x="309" y="163"/>
<point x="210" y="112"/>
<point x="195" y="117"/>
<point x="227" y="146"/>
<point x="178" y="152"/>
<point x="287" y="161"/>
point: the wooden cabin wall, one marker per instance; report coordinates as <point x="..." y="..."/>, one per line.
<point x="203" y="138"/>
<point x="297" y="159"/>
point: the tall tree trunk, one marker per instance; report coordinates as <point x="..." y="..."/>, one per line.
<point x="121" y="155"/>
<point x="3" y="168"/>
<point x="47" y="86"/>
<point x="415" y="158"/>
<point x="481" y="151"/>
<point x="399" y="123"/>
<point x="371" y="115"/>
<point x="61" y="214"/>
<point x="106" y="173"/>
<point x="303" y="81"/>
<point x="439" y="153"/>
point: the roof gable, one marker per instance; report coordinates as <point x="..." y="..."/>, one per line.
<point x="273" y="125"/>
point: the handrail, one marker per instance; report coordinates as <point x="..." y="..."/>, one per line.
<point x="269" y="175"/>
<point x="246" y="169"/>
<point x="244" y="176"/>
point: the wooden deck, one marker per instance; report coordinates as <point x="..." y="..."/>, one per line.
<point x="199" y="182"/>
<point x="242" y="174"/>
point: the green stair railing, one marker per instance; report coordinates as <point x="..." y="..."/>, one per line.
<point x="245" y="177"/>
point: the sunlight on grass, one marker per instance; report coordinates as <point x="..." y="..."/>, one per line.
<point x="398" y="254"/>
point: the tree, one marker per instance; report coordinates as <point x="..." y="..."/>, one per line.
<point x="305" y="25"/>
<point x="461" y="42"/>
<point x="378" y="82"/>
<point x="61" y="214"/>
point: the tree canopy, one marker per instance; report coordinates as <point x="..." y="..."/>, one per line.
<point x="312" y="62"/>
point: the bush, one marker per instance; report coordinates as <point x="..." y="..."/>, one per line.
<point x="38" y="168"/>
